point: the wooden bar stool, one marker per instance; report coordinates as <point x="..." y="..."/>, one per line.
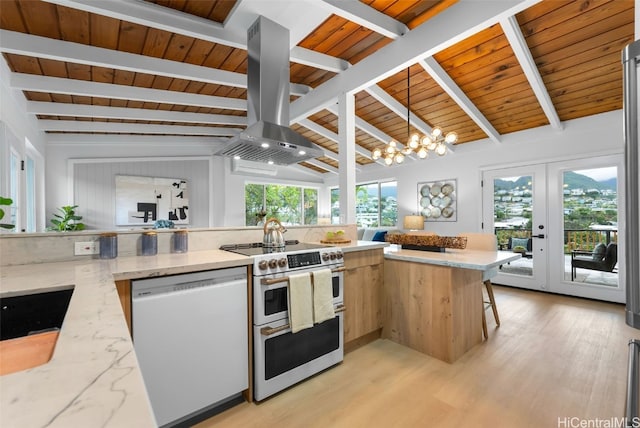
<point x="485" y="242"/>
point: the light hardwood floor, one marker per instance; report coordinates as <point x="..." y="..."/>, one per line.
<point x="553" y="357"/>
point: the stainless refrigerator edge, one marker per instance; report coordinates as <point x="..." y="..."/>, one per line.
<point x="631" y="71"/>
<point x="631" y="74"/>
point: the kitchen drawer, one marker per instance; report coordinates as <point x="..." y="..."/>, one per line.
<point x="356" y="259"/>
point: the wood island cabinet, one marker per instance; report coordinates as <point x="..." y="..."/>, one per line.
<point x="124" y="293"/>
<point x="363" y="281"/>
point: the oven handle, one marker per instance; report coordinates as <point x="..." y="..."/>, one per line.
<point x="268" y="331"/>
<point x="271" y="281"/>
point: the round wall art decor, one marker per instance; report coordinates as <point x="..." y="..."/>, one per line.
<point x="437" y="200"/>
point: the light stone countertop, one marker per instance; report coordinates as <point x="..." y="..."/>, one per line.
<point x="361" y="246"/>
<point x="93" y="378"/>
<point x="465" y="259"/>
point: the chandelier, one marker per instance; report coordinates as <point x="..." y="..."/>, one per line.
<point x="436" y="141"/>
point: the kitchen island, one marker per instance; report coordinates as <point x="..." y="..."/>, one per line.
<point x="433" y="301"/>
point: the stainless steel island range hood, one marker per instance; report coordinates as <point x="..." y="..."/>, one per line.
<point x="268" y="137"/>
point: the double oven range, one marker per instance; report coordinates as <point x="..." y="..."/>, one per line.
<point x="281" y="358"/>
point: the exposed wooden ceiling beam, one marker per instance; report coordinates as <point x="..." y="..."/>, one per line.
<point x="366" y="16"/>
<point x="523" y="54"/>
<point x="58" y="85"/>
<point x="371" y="130"/>
<point x="81" y="110"/>
<point x="58" y="50"/>
<point x="175" y="21"/>
<point x="451" y="26"/>
<point x="108" y="140"/>
<point x="431" y="66"/>
<point x="330" y="135"/>
<point x="392" y="104"/>
<point x="132" y="128"/>
<point x="322" y="165"/>
<point x="306" y="170"/>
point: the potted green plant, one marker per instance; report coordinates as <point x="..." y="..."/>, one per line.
<point x="67" y="220"/>
<point x="6" y="202"/>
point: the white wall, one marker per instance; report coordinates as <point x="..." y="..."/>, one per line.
<point x="225" y="188"/>
<point x="94" y="190"/>
<point x="591" y="136"/>
<point x="15" y="128"/>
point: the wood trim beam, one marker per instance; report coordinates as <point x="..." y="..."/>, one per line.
<point x="366" y="16"/>
<point x="128" y="140"/>
<point x="330" y="135"/>
<point x="58" y="85"/>
<point x="449" y="27"/>
<point x="132" y="128"/>
<point x="431" y="66"/>
<point x="106" y="112"/>
<point x="175" y="21"/>
<point x="523" y="54"/>
<point x="306" y="170"/>
<point x="59" y="50"/>
<point x="322" y="165"/>
<point x="369" y="129"/>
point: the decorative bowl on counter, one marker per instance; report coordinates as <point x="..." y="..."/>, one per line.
<point x="427" y="242"/>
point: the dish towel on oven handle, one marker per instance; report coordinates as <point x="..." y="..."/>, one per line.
<point x="300" y="302"/>
<point x="322" y="296"/>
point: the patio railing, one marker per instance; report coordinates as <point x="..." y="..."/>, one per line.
<point x="574" y="239"/>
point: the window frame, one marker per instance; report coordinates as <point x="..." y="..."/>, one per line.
<point x="335" y="211"/>
<point x="302" y="207"/>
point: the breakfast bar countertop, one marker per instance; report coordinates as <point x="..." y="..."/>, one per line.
<point x="465" y="259"/>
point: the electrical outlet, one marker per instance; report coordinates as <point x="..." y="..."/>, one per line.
<point x="86" y="248"/>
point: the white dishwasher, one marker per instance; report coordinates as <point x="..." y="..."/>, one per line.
<point x="190" y="335"/>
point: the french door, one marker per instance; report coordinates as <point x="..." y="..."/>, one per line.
<point x="515" y="209"/>
<point x="554" y="214"/>
<point x="586" y="212"/>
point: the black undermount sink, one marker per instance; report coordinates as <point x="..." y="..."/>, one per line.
<point x="33" y="313"/>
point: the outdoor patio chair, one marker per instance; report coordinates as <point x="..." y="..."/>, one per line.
<point x="602" y="258"/>
<point x="526" y="243"/>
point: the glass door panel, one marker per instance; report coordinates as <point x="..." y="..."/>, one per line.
<point x="515" y="210"/>
<point x="586" y="211"/>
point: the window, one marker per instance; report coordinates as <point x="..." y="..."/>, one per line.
<point x="30" y="203"/>
<point x="14" y="188"/>
<point x="335" y="206"/>
<point x="376" y="204"/>
<point x="289" y="204"/>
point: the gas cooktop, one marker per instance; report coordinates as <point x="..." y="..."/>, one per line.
<point x="256" y="248"/>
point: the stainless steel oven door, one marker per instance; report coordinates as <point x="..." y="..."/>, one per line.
<point x="282" y="359"/>
<point x="270" y="302"/>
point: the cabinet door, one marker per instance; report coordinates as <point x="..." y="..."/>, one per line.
<point x="362" y="300"/>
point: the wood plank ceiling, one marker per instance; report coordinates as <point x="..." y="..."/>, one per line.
<point x="481" y="86"/>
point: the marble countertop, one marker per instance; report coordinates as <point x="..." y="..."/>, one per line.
<point x="466" y="259"/>
<point x="93" y="378"/>
<point x="361" y="246"/>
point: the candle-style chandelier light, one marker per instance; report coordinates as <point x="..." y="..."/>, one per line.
<point x="420" y="145"/>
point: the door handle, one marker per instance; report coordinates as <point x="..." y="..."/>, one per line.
<point x="268" y="331"/>
<point x="541" y="236"/>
